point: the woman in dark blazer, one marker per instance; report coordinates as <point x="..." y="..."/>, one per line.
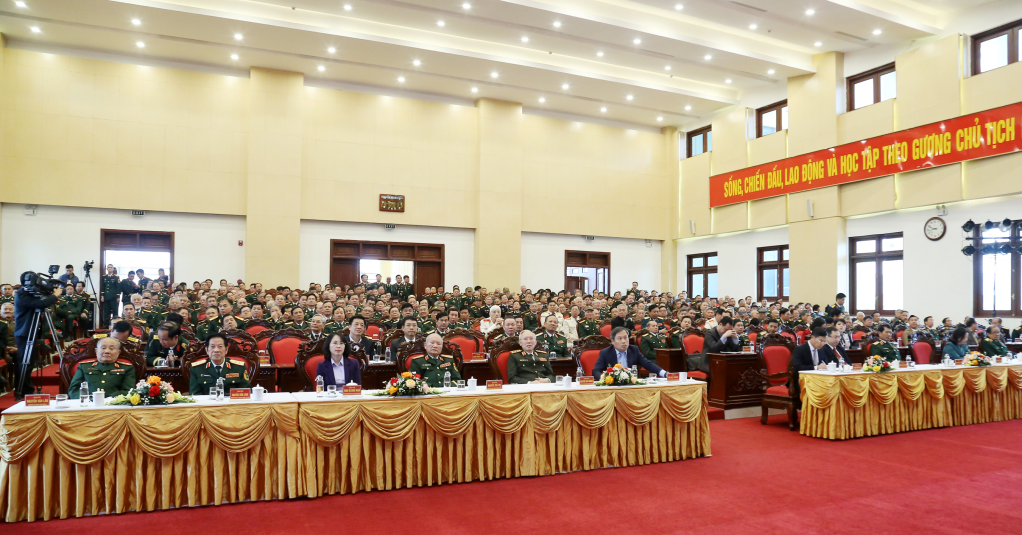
<point x="337" y="367"/>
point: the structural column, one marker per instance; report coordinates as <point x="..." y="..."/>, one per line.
<point x="273" y="218"/>
<point x="669" y="249"/>
<point x="498" y="236"/>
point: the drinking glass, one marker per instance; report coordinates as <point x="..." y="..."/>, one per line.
<point x="213" y="393"/>
<point x="61" y="400"/>
<point x="331" y="390"/>
<point x="652" y="379"/>
<point x="461" y="384"/>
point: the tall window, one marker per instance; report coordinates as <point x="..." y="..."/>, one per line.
<point x="772" y="118"/>
<point x="872" y="86"/>
<point x="996" y="48"/>
<point x="702" y="275"/>
<point x="996" y="272"/>
<point x="877" y="273"/>
<point x="772" y="267"/>
<point x="700" y="141"/>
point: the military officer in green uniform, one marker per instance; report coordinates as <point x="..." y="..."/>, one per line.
<point x="531" y="318"/>
<point x="556" y="344"/>
<point x="589" y="326"/>
<point x="114" y="378"/>
<point x="109" y="289"/>
<point x="167" y="344"/>
<point x="6" y="293"/>
<point x="216" y="365"/>
<point x="336" y="323"/>
<point x="992" y="345"/>
<point x="209" y="325"/>
<point x="884" y="348"/>
<point x="652" y="341"/>
<point x="148" y="313"/>
<point x="432" y="366"/>
<point x="526" y="365"/>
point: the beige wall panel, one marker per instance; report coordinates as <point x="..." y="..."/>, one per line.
<point x="813" y="101"/>
<point x="929" y="186"/>
<point x="768" y="148"/>
<point x="730" y="218"/>
<point x="498" y="236"/>
<point x="867" y="196"/>
<point x="863" y="123"/>
<point x="992" y="89"/>
<point x="826" y="203"/>
<point x="929" y="83"/>
<point x="992" y="177"/>
<point x="668" y="249"/>
<point x="730" y="134"/>
<point x="695" y="195"/>
<point x="67" y="119"/>
<point x="818" y="253"/>
<point x="770" y="212"/>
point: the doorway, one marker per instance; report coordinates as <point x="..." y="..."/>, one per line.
<point x="131" y="250"/>
<point x="422" y="262"/>
<point x="588" y="271"/>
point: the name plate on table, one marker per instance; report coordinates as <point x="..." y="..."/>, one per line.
<point x="586" y="380"/>
<point x="37" y="400"/>
<point x="264" y="360"/>
<point x="749" y="349"/>
<point x="241" y="393"/>
<point x="477" y="357"/>
<point x="675" y="376"/>
<point x="352" y="390"/>
<point x="494" y="384"/>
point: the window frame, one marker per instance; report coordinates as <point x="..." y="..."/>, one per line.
<point x="878" y="256"/>
<point x="1015" y="309"/>
<point x="776" y="106"/>
<point x="875" y="74"/>
<point x="780" y="265"/>
<point x="1011" y="29"/>
<point x="694" y="133"/>
<point x="705" y="270"/>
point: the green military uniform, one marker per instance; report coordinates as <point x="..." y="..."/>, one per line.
<point x="109" y="289"/>
<point x="1017" y="333"/>
<point x="426" y="325"/>
<point x="675" y="341"/>
<point x="476" y="312"/>
<point x="530" y="322"/>
<point x="126" y="288"/>
<point x="453" y="302"/>
<point x="333" y="326"/>
<point x="303" y="326"/>
<point x="461" y="325"/>
<point x="151" y="316"/>
<point x="63" y="315"/>
<point x="155" y="350"/>
<point x="204" y="375"/>
<point x="207" y="327"/>
<point x="743" y="341"/>
<point x="5" y="299"/>
<point x="432" y="369"/>
<point x="650" y="343"/>
<point x="252" y="298"/>
<point x="588" y="328"/>
<point x="993" y="348"/>
<point x="556" y="344"/>
<point x="115" y="378"/>
<point x="523" y="368"/>
<point x="241" y="322"/>
<point x="885" y="350"/>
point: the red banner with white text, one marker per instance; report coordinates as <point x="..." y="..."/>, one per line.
<point x="979" y="135"/>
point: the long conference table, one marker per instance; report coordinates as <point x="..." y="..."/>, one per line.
<point x="79" y="461"/>
<point x="839" y="406"/>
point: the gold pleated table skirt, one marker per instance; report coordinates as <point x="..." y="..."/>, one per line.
<point x="84" y="462"/>
<point x="840" y="407"/>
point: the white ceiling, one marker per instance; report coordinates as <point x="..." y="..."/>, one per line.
<point x="377" y="42"/>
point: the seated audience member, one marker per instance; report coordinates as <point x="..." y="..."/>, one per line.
<point x="883" y="347"/>
<point x="216" y="365"/>
<point x="316" y="327"/>
<point x="410" y="328"/>
<point x="356" y="341"/>
<point x="492" y="322"/>
<point x="114" y="378"/>
<point x="556" y="343"/>
<point x="121" y="330"/>
<point x="621" y="352"/>
<point x="957" y="347"/>
<point x="652" y="341"/>
<point x="971" y="326"/>
<point x="992" y="345"/>
<point x="526" y="365"/>
<point x="834" y="351"/>
<point x="167" y="346"/>
<point x="808" y="356"/>
<point x="338" y="368"/>
<point x="719" y="339"/>
<point x="433" y="365"/>
<point x="910" y="330"/>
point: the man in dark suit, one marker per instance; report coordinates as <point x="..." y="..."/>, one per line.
<point x="809" y="356"/>
<point x="715" y="340"/>
<point x="356" y="341"/>
<point x="410" y="328"/>
<point x="833" y="351"/>
<point x="623" y="353"/>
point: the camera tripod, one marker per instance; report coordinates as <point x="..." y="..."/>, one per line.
<point x="94" y="298"/>
<point x="25" y="358"/>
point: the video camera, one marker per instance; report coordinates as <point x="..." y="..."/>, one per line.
<point x="38" y="284"/>
<point x="88" y="266"/>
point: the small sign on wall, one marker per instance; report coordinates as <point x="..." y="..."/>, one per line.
<point x="392" y="203"/>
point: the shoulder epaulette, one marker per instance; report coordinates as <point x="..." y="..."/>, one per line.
<point x="100" y="335"/>
<point x="199" y="362"/>
<point x="238" y="362"/>
<point x="516" y="351"/>
<point x="133" y="339"/>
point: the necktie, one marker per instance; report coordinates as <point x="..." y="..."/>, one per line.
<point x="816" y="358"/>
<point x="217" y="370"/>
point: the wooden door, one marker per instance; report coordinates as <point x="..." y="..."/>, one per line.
<point x="577" y="283"/>
<point x="344" y="271"/>
<point x="427" y="274"/>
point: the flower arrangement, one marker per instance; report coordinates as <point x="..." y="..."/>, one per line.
<point x="151" y="391"/>
<point x="976" y="359"/>
<point x="407" y="384"/>
<point x="618" y="376"/>
<point x="876" y="364"/>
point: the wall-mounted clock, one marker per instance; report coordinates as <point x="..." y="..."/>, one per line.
<point x="935" y="228"/>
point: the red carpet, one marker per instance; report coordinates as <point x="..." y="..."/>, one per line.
<point x="761" y="479"/>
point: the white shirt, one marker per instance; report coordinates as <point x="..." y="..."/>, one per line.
<point x="338" y="372"/>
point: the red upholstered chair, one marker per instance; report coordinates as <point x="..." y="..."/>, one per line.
<point x="605" y="329"/>
<point x="777" y="373"/>
<point x="240" y="341"/>
<point x="752" y="336"/>
<point x="469" y="341"/>
<point x="789" y="335"/>
<point x="692" y="339"/>
<point x="255" y="327"/>
<point x="587" y="351"/>
<point x="476" y="323"/>
<point x="374" y="330"/>
<point x="283" y="346"/>
<point x="309" y="357"/>
<point x="407" y="352"/>
<point x="923" y="349"/>
<point x="499" y="363"/>
<point x="84" y="351"/>
<point x="263" y="339"/>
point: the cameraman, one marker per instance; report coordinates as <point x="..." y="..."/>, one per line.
<point x="69" y="276"/>
<point x="25" y="304"/>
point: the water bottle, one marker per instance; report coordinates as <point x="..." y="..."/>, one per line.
<point x="578" y="375"/>
<point x="387" y="355"/>
<point x="908" y="362"/>
<point x="319" y="386"/>
<point x="83" y="394"/>
<point x="635" y="371"/>
<point x="447" y="379"/>
<point x="220" y="389"/>
<point x="170" y="357"/>
<point x="841" y="364"/>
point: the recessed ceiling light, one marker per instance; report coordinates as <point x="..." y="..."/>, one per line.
<point x="541" y="99"/>
<point x="659" y="118"/>
<point x="19" y="3"/>
<point x="604" y="110"/>
<point x="679" y="7"/>
<point x="234" y="56"/>
<point x="347" y="7"/>
<point x="753" y="26"/>
<point x="321" y="68"/>
<point x="475" y="89"/>
<point x="565" y="86"/>
<point x="810" y="11"/>
<point x="136" y="22"/>
<point x="687" y="108"/>
<point x="557" y="24"/>
<point x="331" y="50"/>
<point x="599" y="54"/>
<point x="140" y="44"/>
<point x="238" y="36"/>
<point x="629" y="97"/>
<point x="771" y="71"/>
<point x="35" y="29"/>
<point x="667" y="68"/>
<point x="494" y="74"/>
<point x="401" y="79"/>
<point x="525" y="39"/>
<point x="637" y="41"/>
<point x="817" y="44"/>
<point x="877" y="32"/>
<point x="707" y="57"/>
<point x="440" y="23"/>
<point x="466" y="5"/>
<point x="416" y="63"/>
<point x="728" y="81"/>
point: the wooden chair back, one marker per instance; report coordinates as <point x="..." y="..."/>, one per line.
<point x="498" y="363"/>
<point x="84" y="351"/>
<point x="468" y="340"/>
<point x="257" y="326"/>
<point x="283" y="346"/>
<point x="692" y="339"/>
<point x="587" y="351"/>
<point x="775" y="358"/>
